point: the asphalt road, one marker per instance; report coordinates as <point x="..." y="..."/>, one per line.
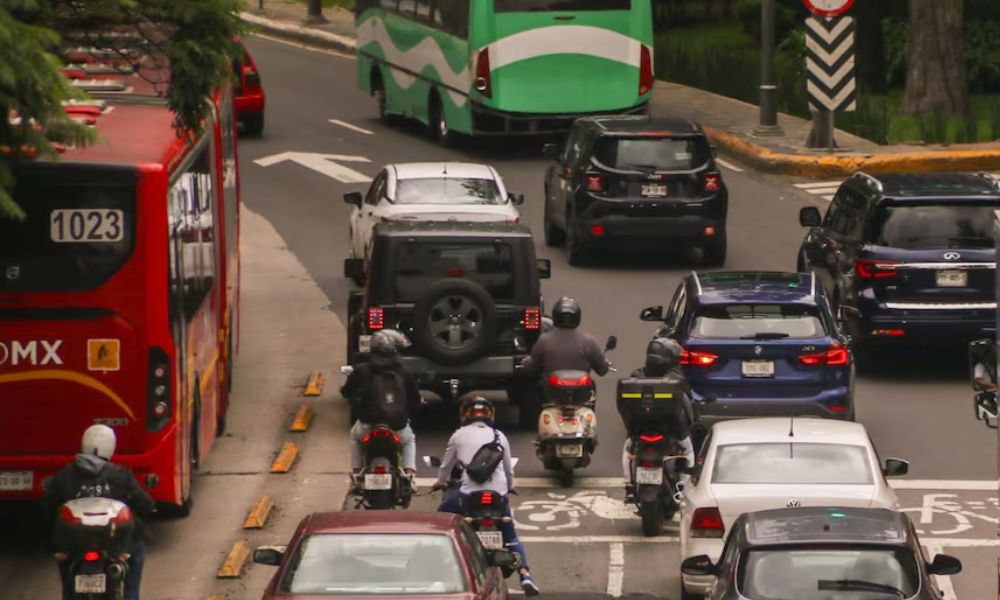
<point x="915" y="403"/>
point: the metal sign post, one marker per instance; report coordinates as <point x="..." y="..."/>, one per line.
<point x="830" y="67"/>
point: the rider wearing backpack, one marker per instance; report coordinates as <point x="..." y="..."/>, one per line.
<point x="484" y="453"/>
<point x="382" y="391"/>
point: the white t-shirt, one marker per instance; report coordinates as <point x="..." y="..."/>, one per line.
<point x="463" y="445"/>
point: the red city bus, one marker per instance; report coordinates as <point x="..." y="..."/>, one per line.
<point x="119" y="295"/>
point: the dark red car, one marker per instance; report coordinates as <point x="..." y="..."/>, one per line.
<point x="384" y="554"/>
<point x="249" y="96"/>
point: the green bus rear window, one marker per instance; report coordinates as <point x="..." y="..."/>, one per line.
<point x="503" y="6"/>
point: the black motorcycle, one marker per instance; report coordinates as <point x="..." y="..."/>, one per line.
<point x="384" y="485"/>
<point x="94" y="536"/>
<point x="484" y="512"/>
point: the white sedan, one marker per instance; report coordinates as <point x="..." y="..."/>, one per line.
<point x="759" y="464"/>
<point x="450" y="191"/>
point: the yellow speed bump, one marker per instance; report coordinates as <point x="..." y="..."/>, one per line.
<point x="283" y="463"/>
<point x="257" y="517"/>
<point x="302" y="419"/>
<point x="237" y="557"/>
<point x="314" y="384"/>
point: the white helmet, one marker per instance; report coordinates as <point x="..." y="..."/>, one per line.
<point x="99" y="440"/>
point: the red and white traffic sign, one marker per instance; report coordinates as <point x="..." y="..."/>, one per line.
<point x="828" y="8"/>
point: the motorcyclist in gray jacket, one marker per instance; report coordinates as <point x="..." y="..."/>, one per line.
<point x="566" y="347"/>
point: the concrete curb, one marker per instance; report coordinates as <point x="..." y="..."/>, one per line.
<point x="305" y="35"/>
<point x="769" y="161"/>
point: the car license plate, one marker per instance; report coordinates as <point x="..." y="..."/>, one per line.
<point x="90" y="584"/>
<point x="16" y="481"/>
<point x="492" y="540"/>
<point x="648" y="476"/>
<point x="569" y="450"/>
<point x="654" y="190"/>
<point x="952" y="278"/>
<point x="364" y="343"/>
<point x="758" y="368"/>
<point x="378" y="481"/>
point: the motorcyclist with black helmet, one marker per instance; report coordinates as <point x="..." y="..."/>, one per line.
<point x="565" y="347"/>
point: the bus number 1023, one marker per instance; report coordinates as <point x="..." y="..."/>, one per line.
<point x="96" y="225"/>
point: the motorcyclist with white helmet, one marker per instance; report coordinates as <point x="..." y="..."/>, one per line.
<point x="93" y="475"/>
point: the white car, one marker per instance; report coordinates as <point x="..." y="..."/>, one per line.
<point x="758" y="464"/>
<point x="449" y="191"/>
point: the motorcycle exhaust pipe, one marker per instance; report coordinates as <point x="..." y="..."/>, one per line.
<point x="116" y="571"/>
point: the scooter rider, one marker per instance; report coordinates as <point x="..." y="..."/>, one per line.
<point x="93" y="475"/>
<point x="476" y="414"/>
<point x="385" y="347"/>
<point x="663" y="361"/>
<point x="566" y="347"/>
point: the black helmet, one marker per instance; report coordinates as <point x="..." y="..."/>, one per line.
<point x="476" y="408"/>
<point x="662" y="354"/>
<point x="566" y="313"/>
<point x="388" y="342"/>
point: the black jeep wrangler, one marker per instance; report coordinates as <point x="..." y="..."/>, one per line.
<point x="468" y="296"/>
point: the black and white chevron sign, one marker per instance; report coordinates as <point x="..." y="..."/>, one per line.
<point x="830" y="63"/>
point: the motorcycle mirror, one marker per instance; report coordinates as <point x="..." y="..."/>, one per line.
<point x="432" y="461"/>
<point x="611" y="344"/>
<point x="269" y="555"/>
<point x="347" y="369"/>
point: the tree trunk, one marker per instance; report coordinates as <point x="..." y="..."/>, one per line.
<point x="935" y="72"/>
<point x="871" y="57"/>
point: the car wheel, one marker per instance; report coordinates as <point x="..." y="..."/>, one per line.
<point x="574" y="247"/>
<point x="554" y="237"/>
<point x="714" y="251"/>
<point x="253" y="125"/>
<point x="454" y="322"/>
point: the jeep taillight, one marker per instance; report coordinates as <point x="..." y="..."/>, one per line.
<point x="712" y="182"/>
<point x="376" y="318"/>
<point x="532" y="318"/>
<point x="595" y="182"/>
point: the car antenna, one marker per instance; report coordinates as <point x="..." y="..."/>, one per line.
<point x="791" y="427"/>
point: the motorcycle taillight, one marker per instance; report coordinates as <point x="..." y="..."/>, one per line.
<point x="91" y="556"/>
<point x="487" y="522"/>
<point x="65" y="514"/>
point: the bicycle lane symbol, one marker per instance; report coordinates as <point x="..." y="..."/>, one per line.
<point x="560" y="512"/>
<point x="940" y="515"/>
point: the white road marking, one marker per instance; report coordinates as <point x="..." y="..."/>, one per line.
<point x="821" y="184"/>
<point x="943" y="581"/>
<point x="616" y="569"/>
<point x="823" y="189"/>
<point x="974" y="485"/>
<point x="321" y="163"/>
<point x="729" y="165"/>
<point x="351" y="127"/>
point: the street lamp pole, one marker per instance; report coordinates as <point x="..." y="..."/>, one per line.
<point x="315" y="14"/>
<point x="768" y="87"/>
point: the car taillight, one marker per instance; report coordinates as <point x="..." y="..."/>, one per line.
<point x="875" y="269"/>
<point x="838" y="409"/>
<point x="695" y="358"/>
<point x="834" y="356"/>
<point x="483" y="83"/>
<point x="595" y="182"/>
<point x="158" y="386"/>
<point x="557" y="382"/>
<point x="91" y="556"/>
<point x="712" y="182"/>
<point x="532" y="318"/>
<point x="376" y="318"/>
<point x="707" y="523"/>
<point x="124" y="516"/>
<point x="646" y="78"/>
<point x="66" y="515"/>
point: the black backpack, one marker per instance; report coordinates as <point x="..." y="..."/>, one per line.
<point x="486" y="460"/>
<point x="389" y="401"/>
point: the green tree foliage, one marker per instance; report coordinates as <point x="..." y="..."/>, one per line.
<point x="195" y="36"/>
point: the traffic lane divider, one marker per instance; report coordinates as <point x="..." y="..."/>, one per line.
<point x="257" y="517"/>
<point x="286" y="458"/>
<point x="302" y="419"/>
<point x="314" y="384"/>
<point x="232" y="567"/>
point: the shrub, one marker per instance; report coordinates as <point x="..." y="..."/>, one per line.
<point x="934" y="128"/>
<point x="873" y="118"/>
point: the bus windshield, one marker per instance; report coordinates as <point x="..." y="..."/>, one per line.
<point x="503" y="6"/>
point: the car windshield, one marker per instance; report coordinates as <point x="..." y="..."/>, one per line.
<point x="914" y="227"/>
<point x="448" y="190"/>
<point x="361" y="564"/>
<point x="758" y="321"/>
<point x="792" y="463"/>
<point x="421" y="264"/>
<point x="652" y="153"/>
<point x="502" y="6"/>
<point x="828" y="573"/>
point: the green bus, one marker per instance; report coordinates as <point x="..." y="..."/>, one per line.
<point x="502" y="67"/>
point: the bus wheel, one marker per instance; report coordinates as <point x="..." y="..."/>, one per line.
<point x="439" y="122"/>
<point x="381" y="98"/>
<point x="177" y="511"/>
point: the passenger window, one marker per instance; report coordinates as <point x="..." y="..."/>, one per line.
<point x="423" y="9"/>
<point x="676" y="308"/>
<point x="571" y="151"/>
<point x="377" y="189"/>
<point x="389" y="4"/>
<point x="455" y="17"/>
<point x="856" y="209"/>
<point x="475" y="551"/>
<point x="836" y="216"/>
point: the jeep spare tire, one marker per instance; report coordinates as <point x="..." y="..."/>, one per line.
<point x="454" y="322"/>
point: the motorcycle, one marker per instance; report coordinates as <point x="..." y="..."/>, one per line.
<point x="95" y="535"/>
<point x="384" y="485"/>
<point x="567" y="425"/>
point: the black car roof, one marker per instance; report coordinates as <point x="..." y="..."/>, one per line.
<point x="446" y="228"/>
<point x="825" y="525"/>
<point x="903" y="186"/>
<point x="642" y="123"/>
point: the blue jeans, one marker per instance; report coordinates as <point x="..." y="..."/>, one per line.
<point x="451" y="504"/>
<point x="132" y="580"/>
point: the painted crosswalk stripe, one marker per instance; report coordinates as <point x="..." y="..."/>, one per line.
<point x="823" y="189"/>
<point x="729" y="165"/>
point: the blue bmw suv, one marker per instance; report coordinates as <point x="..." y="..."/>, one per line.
<point x="760" y="344"/>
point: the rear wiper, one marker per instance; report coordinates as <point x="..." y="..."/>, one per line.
<point x="858" y="585"/>
<point x="765" y="335"/>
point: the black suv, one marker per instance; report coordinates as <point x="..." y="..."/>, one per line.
<point x="468" y="295"/>
<point x="907" y="257"/>
<point x="634" y="183"/>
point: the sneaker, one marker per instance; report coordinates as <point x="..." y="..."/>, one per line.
<point x="529" y="586"/>
<point x="356" y="487"/>
<point x="629" y="494"/>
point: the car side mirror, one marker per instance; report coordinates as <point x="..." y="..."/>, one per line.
<point x="354" y="198"/>
<point x="652" y="313"/>
<point x="354" y="268"/>
<point x="504" y="559"/>
<point x="516" y="199"/>
<point x="544" y="268"/>
<point x="611" y="344"/>
<point x="698" y="565"/>
<point x="944" y="564"/>
<point x="986" y="409"/>
<point x="269" y="555"/>
<point x="809" y="216"/>
<point x="895" y="467"/>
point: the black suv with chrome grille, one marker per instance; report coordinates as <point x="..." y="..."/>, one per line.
<point x="908" y="256"/>
<point x="468" y="295"/>
<point x="634" y="183"/>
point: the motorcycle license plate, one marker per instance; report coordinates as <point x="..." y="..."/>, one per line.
<point x="364" y="343"/>
<point x="378" y="481"/>
<point x="16" y="481"/>
<point x="758" y="368"/>
<point x="648" y="476"/>
<point x="90" y="584"/>
<point x="654" y="190"/>
<point x="492" y="540"/>
<point x="952" y="279"/>
<point x="569" y="450"/>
